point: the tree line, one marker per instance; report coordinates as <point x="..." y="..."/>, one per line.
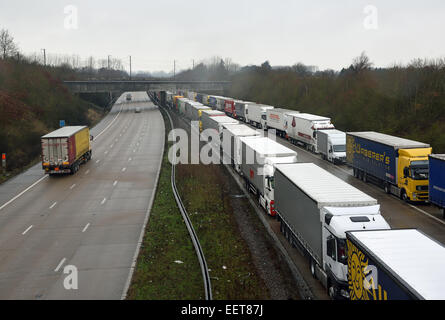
<point x="402" y="100"/>
<point x="33" y="99"/>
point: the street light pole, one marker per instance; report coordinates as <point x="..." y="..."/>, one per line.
<point x="130" y="67"/>
<point x="44" y="57"/>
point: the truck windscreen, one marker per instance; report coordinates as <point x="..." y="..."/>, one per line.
<point x="419" y="170"/>
<point x="339" y="148"/>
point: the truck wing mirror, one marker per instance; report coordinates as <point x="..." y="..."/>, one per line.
<point x="406" y="172"/>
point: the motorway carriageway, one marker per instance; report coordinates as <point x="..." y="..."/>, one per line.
<point x="93" y="220"/>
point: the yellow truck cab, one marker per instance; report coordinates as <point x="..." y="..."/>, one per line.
<point x="397" y="164"/>
<point x="413" y="173"/>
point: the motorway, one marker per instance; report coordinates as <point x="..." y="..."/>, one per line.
<point x="93" y="220"/>
<point x="396" y="212"/>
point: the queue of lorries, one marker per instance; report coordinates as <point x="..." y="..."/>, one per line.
<point x="351" y="248"/>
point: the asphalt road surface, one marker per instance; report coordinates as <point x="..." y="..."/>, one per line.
<point x="92" y="220"/>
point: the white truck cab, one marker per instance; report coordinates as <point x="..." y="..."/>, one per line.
<point x="331" y="144"/>
<point x="336" y="222"/>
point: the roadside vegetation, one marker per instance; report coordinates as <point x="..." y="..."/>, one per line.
<point x="167" y="267"/>
<point x="232" y="271"/>
<point x="406" y="101"/>
<point x="32" y="101"/>
<point x="402" y="100"/>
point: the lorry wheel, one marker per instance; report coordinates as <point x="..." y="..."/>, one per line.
<point x="387" y="188"/>
<point x="365" y="178"/>
<point x="332" y="292"/>
<point x="313" y="273"/>
<point x="443" y="213"/>
<point x="404" y="196"/>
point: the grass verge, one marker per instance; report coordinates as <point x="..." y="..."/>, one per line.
<point x="167" y="267"/>
<point x="207" y="199"/>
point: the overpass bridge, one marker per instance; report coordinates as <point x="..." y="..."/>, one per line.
<point x="120" y="86"/>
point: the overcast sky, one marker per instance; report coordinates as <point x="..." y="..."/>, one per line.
<point x="325" y="33"/>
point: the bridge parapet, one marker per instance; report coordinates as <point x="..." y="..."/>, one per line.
<point x="93" y="86"/>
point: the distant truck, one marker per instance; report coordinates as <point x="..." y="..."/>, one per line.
<point x="189" y="106"/>
<point x="276" y="119"/>
<point x="220" y="103"/>
<point x="129" y="97"/>
<point x="241" y="110"/>
<point x="212" y="102"/>
<point x="437" y="181"/>
<point x="229" y="107"/>
<point x="216" y="122"/>
<point x="231" y="144"/>
<point x="302" y="128"/>
<point x="394" y="265"/>
<point x="331" y="144"/>
<point x="256" y="115"/>
<point x="256" y="160"/>
<point x="316" y="209"/>
<point x="398" y="165"/>
<point x="64" y="150"/>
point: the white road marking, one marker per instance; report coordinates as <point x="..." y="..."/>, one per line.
<point x="427" y="214"/>
<point x="21" y="193"/>
<point x="124" y="169"/>
<point x="108" y="124"/>
<point x="60" y="264"/>
<point x="44" y="177"/>
<point x="129" y="159"/>
<point x="73" y="186"/>
<point x="103" y="201"/>
<point x="112" y="146"/>
<point x="115" y="183"/>
<point x="86" y="227"/>
<point x="29" y="228"/>
<point x="97" y="161"/>
<point x="106" y="152"/>
<point x="88" y="171"/>
<point x="53" y="205"/>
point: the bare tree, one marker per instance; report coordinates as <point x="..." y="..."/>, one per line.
<point x="361" y="63"/>
<point x="7" y="44"/>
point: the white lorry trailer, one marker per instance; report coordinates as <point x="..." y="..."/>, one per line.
<point x="255" y="160"/>
<point x="241" y="110"/>
<point x="220" y="103"/>
<point x="189" y="105"/>
<point x="316" y="209"/>
<point x="331" y="144"/>
<point x="216" y="122"/>
<point x="302" y="129"/>
<point x="230" y="140"/>
<point x="256" y="115"/>
<point x="276" y="119"/>
<point x="395" y="265"/>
